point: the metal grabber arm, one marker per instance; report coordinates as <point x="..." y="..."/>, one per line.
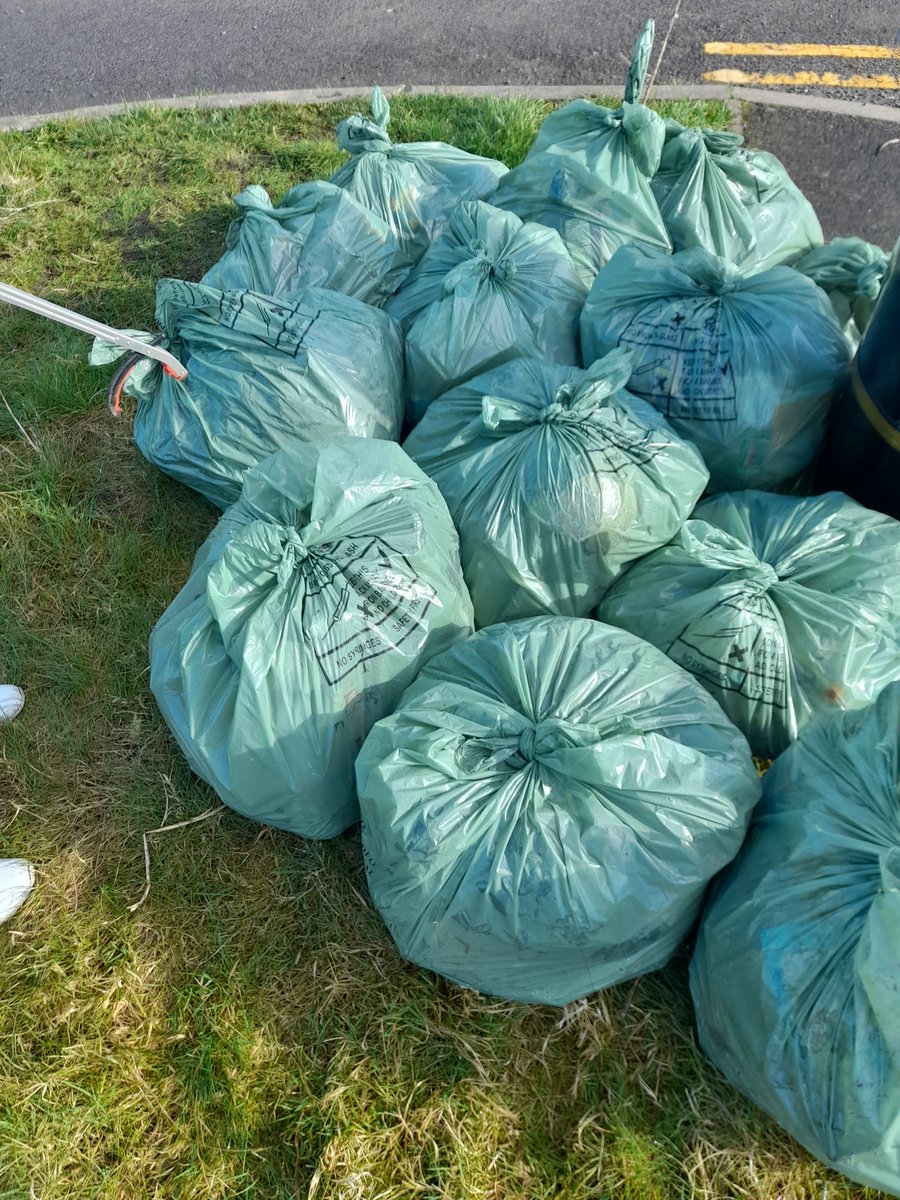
<point x="65" y="316"/>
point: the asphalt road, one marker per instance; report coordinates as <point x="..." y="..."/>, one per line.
<point x="58" y="54"/>
<point x="848" y="167"/>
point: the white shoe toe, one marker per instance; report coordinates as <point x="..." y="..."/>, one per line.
<point x="16" y="882"/>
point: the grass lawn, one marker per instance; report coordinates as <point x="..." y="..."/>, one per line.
<point x="250" y="1031"/>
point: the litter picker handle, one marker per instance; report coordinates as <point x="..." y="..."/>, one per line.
<point x="65" y="316"/>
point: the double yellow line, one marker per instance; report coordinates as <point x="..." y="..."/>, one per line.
<point x="802" y="78"/>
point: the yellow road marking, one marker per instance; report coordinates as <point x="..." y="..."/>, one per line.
<point x="805" y="78"/>
<point x="801" y="49"/>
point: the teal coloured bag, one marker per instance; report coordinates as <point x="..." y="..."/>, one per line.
<point x="786" y="608"/>
<point x="308" y="610"/>
<point x="796" y="973"/>
<point x="588" y="174"/>
<point x="745" y="366"/>
<point x="412" y="186"/>
<point x="490" y="289"/>
<point x="556" y="479"/>
<point x="739" y="204"/>
<point x="261" y="373"/>
<point x="317" y="235"/>
<point x="850" y="272"/>
<point x="543" y="811"/>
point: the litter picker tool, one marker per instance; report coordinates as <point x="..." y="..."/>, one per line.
<point x="65" y="316"/>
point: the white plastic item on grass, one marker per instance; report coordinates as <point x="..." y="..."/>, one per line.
<point x="16" y="882"/>
<point x="12" y="701"/>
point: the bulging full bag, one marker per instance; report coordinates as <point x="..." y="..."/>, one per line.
<point x="308" y="610"/>
<point x="543" y="811"/>
<point x="588" y="174"/>
<point x="745" y="366"/>
<point x="739" y="204"/>
<point x="796" y="974"/>
<point x="850" y="272"/>
<point x="490" y="289"/>
<point x="786" y="608"/>
<point x="413" y="186"/>
<point x="261" y="373"/>
<point x="555" y="479"/>
<point x="317" y="235"/>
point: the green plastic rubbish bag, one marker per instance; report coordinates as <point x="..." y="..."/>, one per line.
<point x="555" y="479"/>
<point x="588" y="174"/>
<point x="413" y="186"/>
<point x="746" y="366"/>
<point x="784" y="607"/>
<point x="261" y="373"/>
<point x="490" y="289"/>
<point x="736" y="203"/>
<point x="317" y="235"/>
<point x="796" y="973"/>
<point x="543" y="811"/>
<point x="308" y="610"/>
<point x="850" y="271"/>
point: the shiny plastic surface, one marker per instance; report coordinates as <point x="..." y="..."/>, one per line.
<point x="588" y="173"/>
<point x="746" y="366"/>
<point x="262" y="372"/>
<point x="862" y="452"/>
<point x="12" y="701"/>
<point x="490" y="289"/>
<point x="786" y="608"/>
<point x="555" y="478"/>
<point x="850" y="272"/>
<point x="543" y="811"/>
<point x="413" y="186"/>
<point x="308" y="610"/>
<point x="796" y="974"/>
<point x="740" y="204"/>
<point x="317" y="235"/>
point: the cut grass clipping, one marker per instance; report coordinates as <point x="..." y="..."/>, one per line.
<point x="249" y="1030"/>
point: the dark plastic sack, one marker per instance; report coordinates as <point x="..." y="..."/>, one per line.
<point x="317" y="235"/>
<point x="261" y="373"/>
<point x="588" y="174"/>
<point x="308" y="610"/>
<point x="543" y="811"/>
<point x="739" y="204"/>
<point x="490" y="289"/>
<point x="796" y="974"/>
<point x="784" y="607"/>
<point x="744" y="366"/>
<point x="413" y="186"/>
<point x="555" y="478"/>
<point x="850" y="272"/>
<point x="861" y="455"/>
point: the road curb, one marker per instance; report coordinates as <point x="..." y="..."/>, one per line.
<point x="734" y="96"/>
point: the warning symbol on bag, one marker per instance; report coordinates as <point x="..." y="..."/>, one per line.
<point x="363" y="599"/>
<point x="738" y="646"/>
<point x="683" y="360"/>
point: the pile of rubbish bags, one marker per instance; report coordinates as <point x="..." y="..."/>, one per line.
<point x="522" y="560"/>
